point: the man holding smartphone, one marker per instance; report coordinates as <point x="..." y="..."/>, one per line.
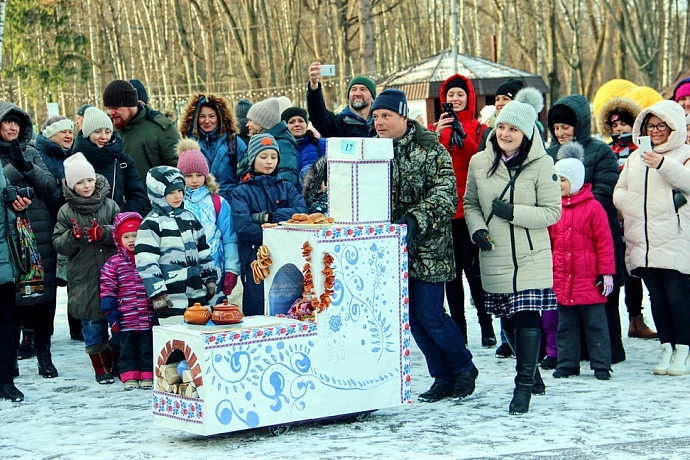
<point x="354" y="120"/>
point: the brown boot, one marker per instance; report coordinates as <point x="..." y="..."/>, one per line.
<point x="639" y="329"/>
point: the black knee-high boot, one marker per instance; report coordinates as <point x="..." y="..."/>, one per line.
<point x="539" y="387"/>
<point x="527" y="343"/>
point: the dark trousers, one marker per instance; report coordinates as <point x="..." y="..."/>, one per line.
<point x="633" y="294"/>
<point x="40" y="317"/>
<point x="252" y="297"/>
<point x="436" y="334"/>
<point x="466" y="260"/>
<point x="136" y="355"/>
<point x="593" y="320"/>
<point x="8" y="328"/>
<point x="668" y="295"/>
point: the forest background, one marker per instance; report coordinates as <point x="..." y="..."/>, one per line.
<point x="66" y="52"/>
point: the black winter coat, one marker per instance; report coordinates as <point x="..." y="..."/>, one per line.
<point x="44" y="184"/>
<point x="329" y="124"/>
<point x="126" y="187"/>
<point x="601" y="169"/>
<point x="54" y="157"/>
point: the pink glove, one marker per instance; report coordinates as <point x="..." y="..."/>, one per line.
<point x="229" y="283"/>
<point x="95" y="232"/>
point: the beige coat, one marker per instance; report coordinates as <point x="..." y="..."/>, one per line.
<point x="656" y="235"/>
<point x="522" y="257"/>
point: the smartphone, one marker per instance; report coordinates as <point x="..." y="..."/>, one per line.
<point x="447" y="107"/>
<point x="644" y="144"/>
<point x="327" y="70"/>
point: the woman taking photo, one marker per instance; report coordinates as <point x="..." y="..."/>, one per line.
<point x="652" y="193"/>
<point x="513" y="195"/>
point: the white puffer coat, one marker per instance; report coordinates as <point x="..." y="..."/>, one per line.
<point x="657" y="235"/>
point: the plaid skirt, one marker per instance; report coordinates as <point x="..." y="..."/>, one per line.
<point x="506" y="305"/>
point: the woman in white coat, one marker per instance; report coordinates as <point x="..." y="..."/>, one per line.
<point x="651" y="193"/>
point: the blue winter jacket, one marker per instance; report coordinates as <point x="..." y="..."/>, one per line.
<point x="222" y="157"/>
<point x="258" y="194"/>
<point x="309" y="150"/>
<point x="7" y="271"/>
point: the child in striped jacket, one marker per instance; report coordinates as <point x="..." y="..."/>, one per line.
<point x="127" y="307"/>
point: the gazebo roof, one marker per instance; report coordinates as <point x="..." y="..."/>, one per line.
<point x="423" y="79"/>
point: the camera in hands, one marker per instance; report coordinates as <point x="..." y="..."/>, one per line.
<point x="12" y="192"/>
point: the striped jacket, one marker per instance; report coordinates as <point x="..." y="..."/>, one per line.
<point x="121" y="281"/>
<point x="171" y="252"/>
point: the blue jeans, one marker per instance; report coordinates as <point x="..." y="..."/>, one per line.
<point x="95" y="333"/>
<point x="436" y="333"/>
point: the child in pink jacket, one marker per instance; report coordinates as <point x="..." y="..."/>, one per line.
<point x="127" y="307"/>
<point x="583" y="269"/>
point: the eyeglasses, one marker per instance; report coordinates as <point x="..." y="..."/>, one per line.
<point x="660" y="127"/>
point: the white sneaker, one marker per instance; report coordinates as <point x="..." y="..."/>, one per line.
<point x="680" y="364"/>
<point x="665" y="363"/>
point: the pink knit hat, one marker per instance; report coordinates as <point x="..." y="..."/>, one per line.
<point x="682" y="90"/>
<point x="190" y="159"/>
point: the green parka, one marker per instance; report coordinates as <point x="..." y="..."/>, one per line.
<point x="150" y="138"/>
<point x="424" y="188"/>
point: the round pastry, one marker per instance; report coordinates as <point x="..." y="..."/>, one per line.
<point x="300" y="217"/>
<point x="317" y="218"/>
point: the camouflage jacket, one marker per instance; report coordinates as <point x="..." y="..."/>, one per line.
<point x="424" y="187"/>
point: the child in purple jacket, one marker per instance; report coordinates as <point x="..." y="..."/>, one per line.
<point x="127" y="307"/>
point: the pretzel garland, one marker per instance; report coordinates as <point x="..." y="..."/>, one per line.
<point x="261" y="264"/>
<point x="322" y="302"/>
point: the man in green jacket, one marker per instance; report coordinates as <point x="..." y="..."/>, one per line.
<point x="424" y="197"/>
<point x="149" y="137"/>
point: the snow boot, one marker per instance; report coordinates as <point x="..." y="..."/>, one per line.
<point x="437" y="392"/>
<point x="488" y="337"/>
<point x="527" y="344"/>
<point x="680" y="364"/>
<point x="26" y="349"/>
<point x="549" y="363"/>
<point x="565" y="372"/>
<point x="638" y="329"/>
<point x="465" y="383"/>
<point x="102" y="366"/>
<point x="45" y="362"/>
<point x="9" y="392"/>
<point x="665" y="363"/>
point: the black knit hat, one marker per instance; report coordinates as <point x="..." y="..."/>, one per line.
<point x="82" y="109"/>
<point x="141" y="90"/>
<point x="509" y="88"/>
<point x="120" y="93"/>
<point x="620" y="114"/>
<point x="293" y="112"/>
<point x="391" y="99"/>
<point x="456" y="83"/>
<point x="561" y="113"/>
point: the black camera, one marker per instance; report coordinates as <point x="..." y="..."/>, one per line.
<point x="12" y="192"/>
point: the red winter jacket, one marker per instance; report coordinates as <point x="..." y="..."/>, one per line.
<point x="473" y="129"/>
<point x="582" y="249"/>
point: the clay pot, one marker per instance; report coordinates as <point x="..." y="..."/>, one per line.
<point x="226" y="313"/>
<point x="197" y="314"/>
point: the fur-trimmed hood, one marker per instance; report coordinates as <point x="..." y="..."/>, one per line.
<point x="189" y="125"/>
<point x="619" y="104"/>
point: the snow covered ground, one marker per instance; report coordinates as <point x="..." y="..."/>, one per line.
<point x="634" y="415"/>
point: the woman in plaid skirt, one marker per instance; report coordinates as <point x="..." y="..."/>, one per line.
<point x="512" y="196"/>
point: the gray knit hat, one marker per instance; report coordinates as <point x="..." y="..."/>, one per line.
<point x="570" y="166"/>
<point x="265" y="113"/>
<point x="95" y="118"/>
<point x="522" y="111"/>
<point x="257" y="144"/>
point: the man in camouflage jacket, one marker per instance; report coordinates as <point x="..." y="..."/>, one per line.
<point x="424" y="198"/>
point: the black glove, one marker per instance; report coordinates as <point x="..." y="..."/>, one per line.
<point x="412" y="227"/>
<point x="457" y="137"/>
<point x="502" y="209"/>
<point x="482" y="240"/>
<point x="17" y="158"/>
